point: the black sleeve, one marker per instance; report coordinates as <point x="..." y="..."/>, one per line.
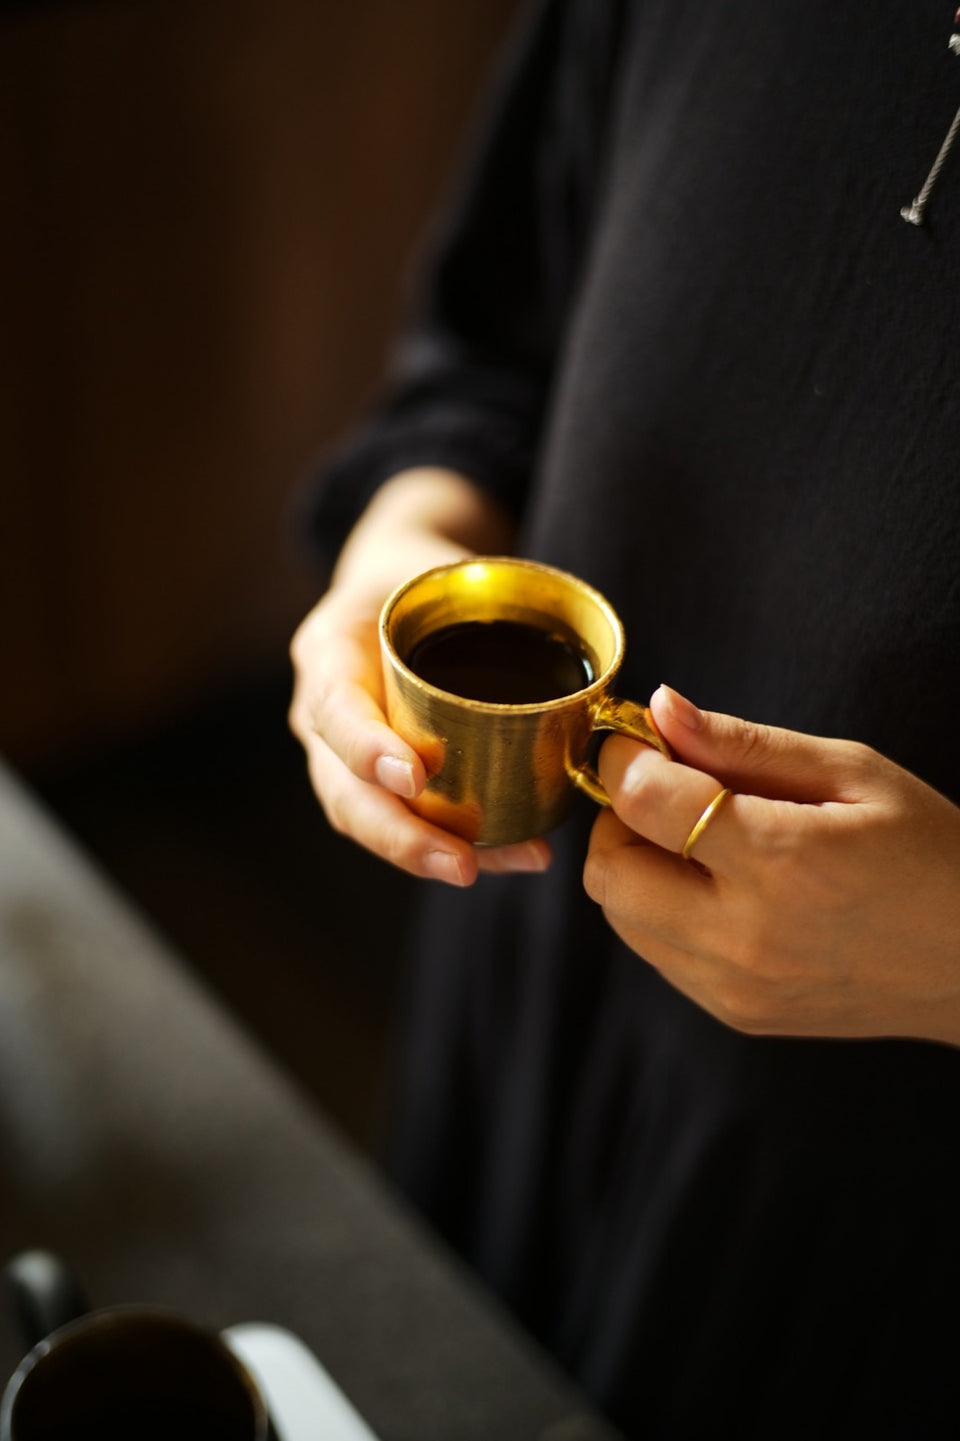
<point x="468" y="384"/>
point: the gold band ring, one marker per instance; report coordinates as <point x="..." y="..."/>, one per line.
<point x="703" y="822"/>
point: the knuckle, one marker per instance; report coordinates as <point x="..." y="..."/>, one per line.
<point x="299" y="717"/>
<point x="747" y="1006"/>
<point x="800" y="882"/>
<point x="756" y="741"/>
<point x="763" y="957"/>
<point x="759" y="973"/>
<point x="295" y="718"/>
<point x="333" y="718"/>
<point x="862" y="756"/>
<point x="648" y="780"/>
<point x="320" y="705"/>
<point x="642" y="791"/>
<point x="303" y="643"/>
<point x="391" y="838"/>
<point x="297" y="647"/>
<point x="400" y="849"/>
<point x="774" y="837"/>
<point x="745" y="958"/>
<point x="404" y="845"/>
<point x="861" y="766"/>
<point x="336" y="807"/>
<point x="787" y="850"/>
<point x="595" y="876"/>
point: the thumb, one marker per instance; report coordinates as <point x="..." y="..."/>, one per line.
<point x="752" y="758"/>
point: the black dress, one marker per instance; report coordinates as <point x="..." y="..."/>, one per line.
<point x="675" y="320"/>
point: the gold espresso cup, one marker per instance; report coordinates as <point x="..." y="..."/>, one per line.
<point x="499" y="772"/>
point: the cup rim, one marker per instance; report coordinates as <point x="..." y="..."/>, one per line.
<point x="596" y="687"/>
<point x="104" y="1316"/>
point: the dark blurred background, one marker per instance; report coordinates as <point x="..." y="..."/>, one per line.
<point x="210" y="216"/>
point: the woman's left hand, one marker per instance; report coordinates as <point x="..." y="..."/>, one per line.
<point x="823" y="897"/>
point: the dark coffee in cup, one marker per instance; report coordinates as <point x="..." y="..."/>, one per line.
<point x="505" y="662"/>
<point x="127" y="1374"/>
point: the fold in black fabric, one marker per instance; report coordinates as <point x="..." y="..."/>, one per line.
<point x="674" y="319"/>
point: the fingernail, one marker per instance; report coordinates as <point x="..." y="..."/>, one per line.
<point x="682" y="709"/>
<point x="395" y="775"/>
<point x="443" y="866"/>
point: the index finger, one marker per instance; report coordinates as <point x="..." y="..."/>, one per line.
<point x="338" y="698"/>
<point x="662" y="800"/>
<point x="346" y="716"/>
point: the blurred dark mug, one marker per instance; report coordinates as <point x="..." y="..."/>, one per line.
<point x="127" y="1373"/>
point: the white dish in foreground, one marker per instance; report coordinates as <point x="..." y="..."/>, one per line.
<point x="305" y="1403"/>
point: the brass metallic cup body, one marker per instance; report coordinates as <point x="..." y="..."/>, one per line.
<point x="498" y="774"/>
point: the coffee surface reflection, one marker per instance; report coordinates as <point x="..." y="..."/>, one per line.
<point x="501" y="662"/>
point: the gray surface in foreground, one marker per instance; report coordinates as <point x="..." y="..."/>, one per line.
<point x="144" y="1135"/>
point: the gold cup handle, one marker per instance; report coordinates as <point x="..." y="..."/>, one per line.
<point x="628" y="719"/>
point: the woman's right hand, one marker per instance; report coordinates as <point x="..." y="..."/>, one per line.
<point x="363" y="773"/>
